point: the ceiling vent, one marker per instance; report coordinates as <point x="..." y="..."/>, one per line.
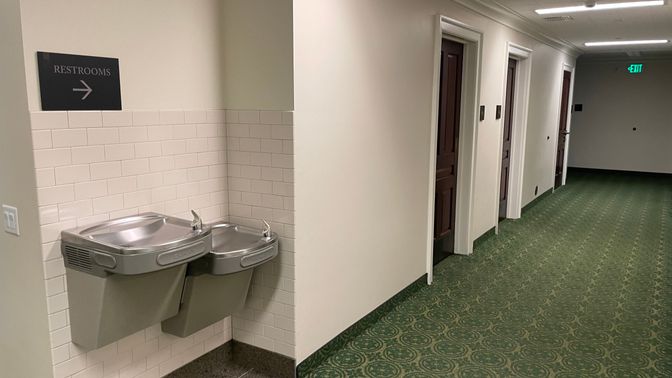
<point x="558" y="18"/>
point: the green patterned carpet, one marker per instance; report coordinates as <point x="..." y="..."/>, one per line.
<point x="580" y="286"/>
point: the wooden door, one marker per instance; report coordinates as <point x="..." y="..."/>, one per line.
<point x="446" y="159"/>
<point x="562" y="129"/>
<point x="506" y="143"/>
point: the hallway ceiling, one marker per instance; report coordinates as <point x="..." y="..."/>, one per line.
<point x="607" y="25"/>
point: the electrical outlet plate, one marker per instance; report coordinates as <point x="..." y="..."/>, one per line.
<point x="10" y="217"/>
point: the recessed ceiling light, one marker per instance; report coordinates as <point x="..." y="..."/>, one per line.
<point x="605" y="6"/>
<point x="622" y="43"/>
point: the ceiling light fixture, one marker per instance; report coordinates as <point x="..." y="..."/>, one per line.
<point x="623" y="43"/>
<point x="591" y="6"/>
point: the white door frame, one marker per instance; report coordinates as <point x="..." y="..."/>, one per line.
<point x="472" y="39"/>
<point x="572" y="69"/>
<point x="521" y="100"/>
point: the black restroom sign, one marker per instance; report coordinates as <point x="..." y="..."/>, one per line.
<point x="78" y="82"/>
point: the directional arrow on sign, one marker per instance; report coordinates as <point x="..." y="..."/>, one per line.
<point x="88" y="90"/>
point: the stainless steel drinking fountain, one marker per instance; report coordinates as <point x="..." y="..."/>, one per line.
<point x="217" y="284"/>
<point x="127" y="274"/>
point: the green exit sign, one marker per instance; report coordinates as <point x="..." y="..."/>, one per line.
<point x="635" y="68"/>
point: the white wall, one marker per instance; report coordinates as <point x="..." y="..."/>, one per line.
<point x="363" y="98"/>
<point x="614" y="102"/>
<point x="24" y="333"/>
<point x="543" y="121"/>
<point x="259" y="74"/>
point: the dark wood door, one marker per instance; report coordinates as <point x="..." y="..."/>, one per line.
<point x="562" y="129"/>
<point x="446" y="159"/>
<point x="506" y="142"/>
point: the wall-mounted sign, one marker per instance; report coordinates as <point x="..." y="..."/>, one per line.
<point x="78" y="82"/>
<point x="635" y="68"/>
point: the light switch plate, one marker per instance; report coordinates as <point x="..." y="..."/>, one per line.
<point x="10" y="216"/>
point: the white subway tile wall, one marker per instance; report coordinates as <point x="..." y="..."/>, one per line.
<point x="261" y="187"/>
<point x="93" y="166"/>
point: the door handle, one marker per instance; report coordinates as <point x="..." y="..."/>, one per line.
<point x="565" y="133"/>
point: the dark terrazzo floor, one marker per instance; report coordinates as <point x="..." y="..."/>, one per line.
<point x="237" y="360"/>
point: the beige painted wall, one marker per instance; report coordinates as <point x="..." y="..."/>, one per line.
<point x="614" y="102"/>
<point x="256" y="64"/>
<point x="168" y="50"/>
<point x="363" y="99"/>
<point x="210" y="54"/>
<point x="23" y="309"/>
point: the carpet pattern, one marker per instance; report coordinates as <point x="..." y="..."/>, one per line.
<point x="581" y="285"/>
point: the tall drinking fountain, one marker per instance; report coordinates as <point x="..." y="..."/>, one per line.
<point x="217" y="284"/>
<point x="127" y="274"/>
